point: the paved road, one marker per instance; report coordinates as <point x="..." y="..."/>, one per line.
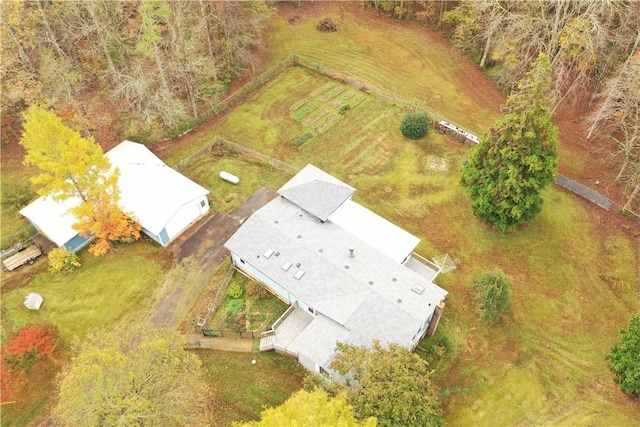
<point x="202" y="246"/>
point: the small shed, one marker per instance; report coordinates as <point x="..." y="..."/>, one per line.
<point x="33" y="301"/>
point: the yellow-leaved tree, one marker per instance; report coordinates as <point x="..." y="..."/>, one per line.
<point x="311" y="409"/>
<point x="73" y="166"/>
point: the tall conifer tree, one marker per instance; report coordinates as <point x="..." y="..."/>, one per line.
<point x="518" y="157"/>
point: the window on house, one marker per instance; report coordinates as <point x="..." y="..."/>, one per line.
<point x="311" y="310"/>
<point x="241" y="260"/>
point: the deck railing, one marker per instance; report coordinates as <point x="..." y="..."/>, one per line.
<point x="282" y="318"/>
<point x="427" y="263"/>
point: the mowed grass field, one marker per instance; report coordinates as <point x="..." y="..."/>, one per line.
<point x="575" y="278"/>
<point x="545" y="363"/>
<point x="403" y="59"/>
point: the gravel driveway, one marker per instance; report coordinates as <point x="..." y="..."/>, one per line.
<point x="199" y="250"/>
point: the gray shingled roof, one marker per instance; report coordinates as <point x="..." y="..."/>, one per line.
<point x="316" y="192"/>
<point x="357" y="298"/>
<point x="319" y="198"/>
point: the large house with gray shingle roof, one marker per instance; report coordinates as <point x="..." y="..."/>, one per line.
<point x="348" y="274"/>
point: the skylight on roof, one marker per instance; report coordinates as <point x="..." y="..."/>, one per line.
<point x="286" y="266"/>
<point x="268" y="253"/>
<point x="299" y="274"/>
<point x="418" y="289"/>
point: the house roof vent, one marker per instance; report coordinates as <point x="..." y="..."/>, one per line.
<point x="418" y="289"/>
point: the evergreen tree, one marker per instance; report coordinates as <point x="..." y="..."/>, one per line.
<point x="518" y="157"/>
<point x="625" y="358"/>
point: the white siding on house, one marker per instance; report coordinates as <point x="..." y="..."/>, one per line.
<point x="185" y="216"/>
<point x="308" y="363"/>
<point x="260" y="277"/>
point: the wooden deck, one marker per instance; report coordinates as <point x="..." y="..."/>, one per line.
<point x="421" y="268"/>
<point x="287" y="332"/>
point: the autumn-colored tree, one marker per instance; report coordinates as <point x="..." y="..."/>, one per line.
<point x="518" y="157"/>
<point x="618" y="119"/>
<point x="310" y="409"/>
<point x="31" y="343"/>
<point x="62" y="260"/>
<point x="18" y="72"/>
<point x="391" y="384"/>
<point x="11" y="380"/>
<point x="107" y="222"/>
<point x="584" y="40"/>
<point x="160" y="61"/>
<point x="73" y="166"/>
<point x="133" y="374"/>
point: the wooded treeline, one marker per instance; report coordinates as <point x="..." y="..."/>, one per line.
<point x="158" y="65"/>
<point x="592" y="45"/>
<point x="162" y="63"/>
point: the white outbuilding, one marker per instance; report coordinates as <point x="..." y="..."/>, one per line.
<point x="160" y="199"/>
<point x="33" y="301"/>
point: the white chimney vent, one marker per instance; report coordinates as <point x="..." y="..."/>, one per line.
<point x="352" y="252"/>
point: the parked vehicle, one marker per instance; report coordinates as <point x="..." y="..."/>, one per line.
<point x="26" y="255"/>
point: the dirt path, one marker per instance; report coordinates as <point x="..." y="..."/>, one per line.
<point x="197" y="253"/>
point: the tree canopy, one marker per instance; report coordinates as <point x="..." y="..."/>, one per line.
<point x="415" y="125"/>
<point x="310" y="409"/>
<point x="624" y="358"/>
<point x="492" y="295"/>
<point x="518" y="157"/>
<point x="584" y="40"/>
<point x="391" y="384"/>
<point x="133" y="375"/>
<point x="160" y="63"/>
<point x="74" y="166"/>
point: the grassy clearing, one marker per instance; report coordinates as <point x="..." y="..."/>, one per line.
<point x="372" y="48"/>
<point x="242" y="390"/>
<point x="105" y="290"/>
<point x="547" y="358"/>
<point x="223" y="195"/>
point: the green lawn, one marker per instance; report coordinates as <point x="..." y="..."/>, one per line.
<point x="242" y="389"/>
<point x="106" y="290"/>
<point x="547" y="358"/>
<point x="575" y="282"/>
<point x="399" y="58"/>
<point x="223" y="195"/>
